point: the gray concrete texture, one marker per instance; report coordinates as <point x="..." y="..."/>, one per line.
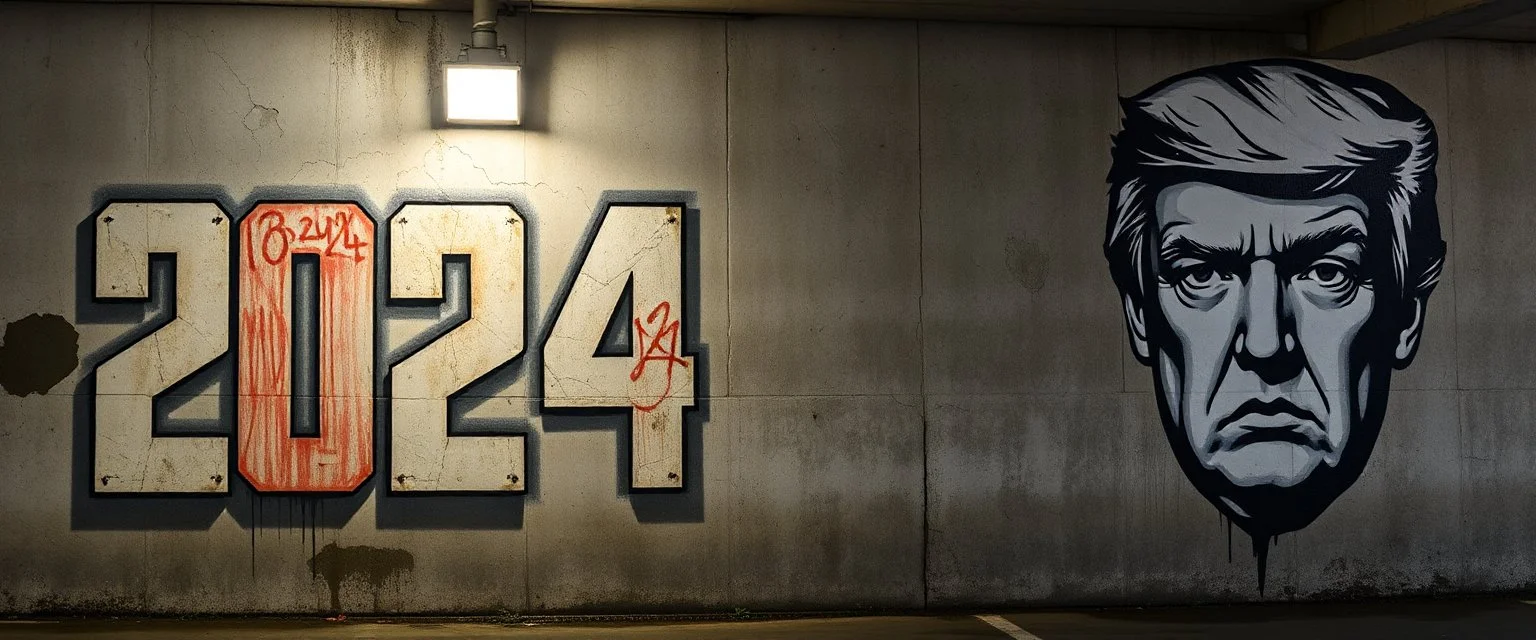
<point x="916" y="390"/>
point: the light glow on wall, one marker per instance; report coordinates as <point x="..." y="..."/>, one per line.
<point x="484" y="94"/>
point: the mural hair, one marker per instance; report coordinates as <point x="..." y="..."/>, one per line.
<point x="1283" y="129"/>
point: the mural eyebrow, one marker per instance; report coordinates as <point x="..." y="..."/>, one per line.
<point x="1297" y="253"/>
<point x="1320" y="242"/>
<point x="1185" y="248"/>
<point x="1333" y="212"/>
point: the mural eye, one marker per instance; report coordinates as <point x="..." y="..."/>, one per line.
<point x="1202" y="277"/>
<point x="1329" y="275"/>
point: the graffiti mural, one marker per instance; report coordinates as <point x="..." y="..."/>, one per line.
<point x="306" y="358"/>
<point x="1274" y="237"/>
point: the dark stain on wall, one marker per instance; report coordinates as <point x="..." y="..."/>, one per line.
<point x="38" y="352"/>
<point x="372" y="565"/>
<point x="1028" y="262"/>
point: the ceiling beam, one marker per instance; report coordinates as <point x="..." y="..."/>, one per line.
<point x="1186" y="14"/>
<point x="1351" y="29"/>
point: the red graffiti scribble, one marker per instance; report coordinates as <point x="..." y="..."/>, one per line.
<point x="317" y="229"/>
<point x="341" y="458"/>
<point x="666" y="330"/>
<point x="277" y="226"/>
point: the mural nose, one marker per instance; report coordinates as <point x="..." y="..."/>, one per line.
<point x="1262" y="309"/>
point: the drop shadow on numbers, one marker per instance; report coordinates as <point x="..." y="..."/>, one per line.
<point x="689" y="505"/>
<point x="674" y="506"/>
<point x="91" y="511"/>
<point x="458" y="509"/>
<point x="261" y="513"/>
<point x="489" y="510"/>
<point x="649" y="505"/>
<point x="139" y="318"/>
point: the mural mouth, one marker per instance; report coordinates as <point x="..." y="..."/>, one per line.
<point x="1297" y="434"/>
<point x="1277" y="420"/>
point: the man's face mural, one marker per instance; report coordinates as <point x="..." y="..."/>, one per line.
<point x="1263" y="307"/>
<point x="1273" y="233"/>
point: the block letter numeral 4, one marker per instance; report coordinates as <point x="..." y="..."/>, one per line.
<point x="639" y="248"/>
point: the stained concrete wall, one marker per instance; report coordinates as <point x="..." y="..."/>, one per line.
<point x="915" y="385"/>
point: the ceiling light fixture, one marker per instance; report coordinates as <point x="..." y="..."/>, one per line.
<point x="482" y="87"/>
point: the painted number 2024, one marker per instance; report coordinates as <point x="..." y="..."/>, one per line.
<point x="636" y="248"/>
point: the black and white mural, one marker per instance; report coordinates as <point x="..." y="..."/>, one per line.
<point x="1274" y="237"/>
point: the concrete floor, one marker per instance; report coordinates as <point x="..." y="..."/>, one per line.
<point x="1481" y="619"/>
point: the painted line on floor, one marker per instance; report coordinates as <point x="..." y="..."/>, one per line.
<point x="1003" y="625"/>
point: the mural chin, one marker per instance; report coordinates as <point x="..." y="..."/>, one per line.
<point x="1270" y="462"/>
<point x="1277" y="487"/>
<point x="1273" y="233"/>
<point x="1267" y="487"/>
<point x="1268" y="510"/>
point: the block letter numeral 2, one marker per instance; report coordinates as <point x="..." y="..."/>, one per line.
<point x="424" y="456"/>
<point x="129" y="457"/>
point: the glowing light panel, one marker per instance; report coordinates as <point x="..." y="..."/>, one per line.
<point x="481" y="94"/>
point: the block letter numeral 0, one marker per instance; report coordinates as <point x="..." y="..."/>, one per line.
<point x="640" y="247"/>
<point x="331" y="382"/>
<point x="129" y="457"/>
<point x="424" y="457"/>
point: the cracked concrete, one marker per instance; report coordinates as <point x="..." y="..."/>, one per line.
<point x="263" y="114"/>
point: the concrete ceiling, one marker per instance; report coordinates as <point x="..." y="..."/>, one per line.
<point x="1519" y="28"/>
<point x="1267" y="15"/>
<point x="1509" y="19"/>
<point x="1262" y="15"/>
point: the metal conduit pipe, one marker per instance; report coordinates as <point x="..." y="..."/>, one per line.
<point x="484" y="34"/>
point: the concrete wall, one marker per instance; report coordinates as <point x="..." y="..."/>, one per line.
<point x="914" y="383"/>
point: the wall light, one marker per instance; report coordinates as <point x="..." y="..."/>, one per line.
<point x="482" y="87"/>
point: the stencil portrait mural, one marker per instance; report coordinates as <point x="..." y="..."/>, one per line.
<point x="1274" y="238"/>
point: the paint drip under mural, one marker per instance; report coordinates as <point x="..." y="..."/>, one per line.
<point x="1274" y="238"/>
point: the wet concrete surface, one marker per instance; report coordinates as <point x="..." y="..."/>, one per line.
<point x="1399" y="620"/>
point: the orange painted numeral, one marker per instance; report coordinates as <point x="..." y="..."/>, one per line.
<point x="341" y="237"/>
